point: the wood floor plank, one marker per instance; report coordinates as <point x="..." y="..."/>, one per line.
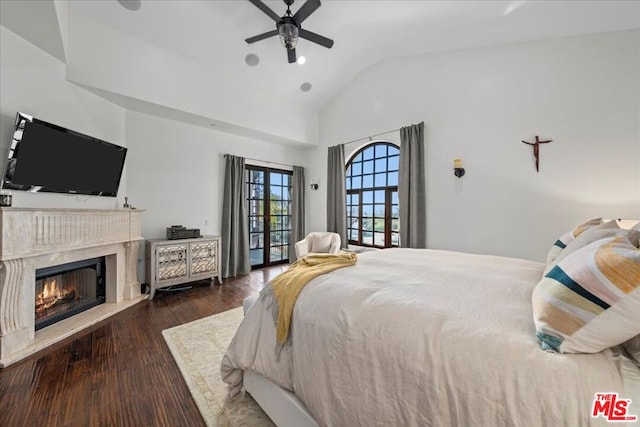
<point x="119" y="372"/>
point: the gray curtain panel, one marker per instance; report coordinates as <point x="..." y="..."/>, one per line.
<point x="235" y="226"/>
<point x="337" y="194"/>
<point x="298" y="188"/>
<point x="411" y="188"/>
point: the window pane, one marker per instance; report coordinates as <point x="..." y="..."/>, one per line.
<point x="348" y="183"/>
<point x="393" y="163"/>
<point x="286" y="179"/>
<point x="286" y="208"/>
<point x="394" y="239"/>
<point x="368" y="153"/>
<point x="379" y="196"/>
<point x="356" y="182"/>
<point x="367" y="210"/>
<point x="275" y="254"/>
<point x="275" y="178"/>
<point x="395" y="212"/>
<point x="356" y="168"/>
<point x="355" y="199"/>
<point x="256" y="224"/>
<point x="379" y="239"/>
<point x="395" y="225"/>
<point x="381" y="165"/>
<point x="381" y="180"/>
<point x="367" y="181"/>
<point x="358" y="158"/>
<point x="367" y="237"/>
<point x="285" y="223"/>
<point x="353" y="234"/>
<point x="256" y="256"/>
<point x="286" y="193"/>
<point x="381" y="150"/>
<point x="367" y="197"/>
<point x="378" y="225"/>
<point x="276" y="192"/>
<point x="367" y="224"/>
<point x="393" y="178"/>
<point x="353" y="211"/>
<point x="393" y="150"/>
<point x="367" y="167"/>
<point x="379" y="211"/>
<point x="394" y="198"/>
<point x="276" y="238"/>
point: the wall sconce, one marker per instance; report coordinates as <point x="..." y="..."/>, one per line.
<point x="458" y="170"/>
<point x="313" y="184"/>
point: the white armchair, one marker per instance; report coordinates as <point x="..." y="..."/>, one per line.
<point x="318" y="242"/>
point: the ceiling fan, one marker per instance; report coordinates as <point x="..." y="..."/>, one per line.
<point x="288" y="27"/>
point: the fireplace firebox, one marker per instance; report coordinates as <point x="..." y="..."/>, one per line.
<point x="65" y="290"/>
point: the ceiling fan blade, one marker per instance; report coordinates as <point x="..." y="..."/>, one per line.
<point x="262" y="36"/>
<point x="263" y="7"/>
<point x="291" y="54"/>
<point x="316" y="38"/>
<point x="307" y="9"/>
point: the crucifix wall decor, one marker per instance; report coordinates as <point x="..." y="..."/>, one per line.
<point x="536" y="150"/>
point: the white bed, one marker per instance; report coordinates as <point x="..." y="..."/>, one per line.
<point x="423" y="337"/>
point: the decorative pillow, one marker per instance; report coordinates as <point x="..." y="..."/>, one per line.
<point x="633" y="348"/>
<point x="603" y="231"/>
<point x="590" y="300"/>
<point x="321" y="243"/>
<point x="567" y="237"/>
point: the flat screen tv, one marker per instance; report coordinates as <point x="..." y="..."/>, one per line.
<point x="44" y="157"/>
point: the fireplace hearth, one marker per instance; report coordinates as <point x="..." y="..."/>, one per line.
<point x="34" y="244"/>
<point x="65" y="290"/>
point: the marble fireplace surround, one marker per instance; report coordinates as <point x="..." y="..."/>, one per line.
<point x="39" y="238"/>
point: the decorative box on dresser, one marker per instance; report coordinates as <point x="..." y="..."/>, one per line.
<point x="173" y="262"/>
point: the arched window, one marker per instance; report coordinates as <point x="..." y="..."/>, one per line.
<point x="372" y="196"/>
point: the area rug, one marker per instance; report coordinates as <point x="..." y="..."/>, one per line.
<point x="198" y="348"/>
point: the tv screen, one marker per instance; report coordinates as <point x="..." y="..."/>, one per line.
<point x="44" y="157"/>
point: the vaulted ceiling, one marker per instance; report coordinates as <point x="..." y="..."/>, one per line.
<point x="157" y="56"/>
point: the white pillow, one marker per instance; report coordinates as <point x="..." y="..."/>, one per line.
<point x="321" y="243"/>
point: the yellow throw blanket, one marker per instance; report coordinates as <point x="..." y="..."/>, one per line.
<point x="282" y="292"/>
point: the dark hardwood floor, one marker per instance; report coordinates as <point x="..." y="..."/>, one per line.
<point x="120" y="371"/>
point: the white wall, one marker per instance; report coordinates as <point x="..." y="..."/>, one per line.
<point x="112" y="60"/>
<point x="582" y="92"/>
<point x="33" y="82"/>
<point x="176" y="171"/>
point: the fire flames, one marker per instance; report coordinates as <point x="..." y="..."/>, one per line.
<point x="52" y="294"/>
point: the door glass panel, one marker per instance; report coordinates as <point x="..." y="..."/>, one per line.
<point x="268" y="211"/>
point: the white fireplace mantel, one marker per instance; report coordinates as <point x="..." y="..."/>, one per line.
<point x="39" y="238"/>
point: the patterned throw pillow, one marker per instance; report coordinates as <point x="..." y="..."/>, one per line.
<point x="567" y="237"/>
<point x="608" y="229"/>
<point x="590" y="301"/>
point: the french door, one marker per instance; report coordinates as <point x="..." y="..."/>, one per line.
<point x="269" y="210"/>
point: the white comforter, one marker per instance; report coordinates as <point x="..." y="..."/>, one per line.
<point x="423" y="338"/>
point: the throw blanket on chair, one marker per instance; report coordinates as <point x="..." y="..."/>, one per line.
<point x="282" y="292"/>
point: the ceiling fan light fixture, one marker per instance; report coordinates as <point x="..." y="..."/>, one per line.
<point x="288" y="35"/>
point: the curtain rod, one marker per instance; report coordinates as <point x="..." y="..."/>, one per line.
<point x="263" y="161"/>
<point x="371" y="136"/>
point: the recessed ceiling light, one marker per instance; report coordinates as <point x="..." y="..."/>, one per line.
<point x="302" y="60"/>
<point x="252" y="59"/>
<point x="305" y="87"/>
<point x="131" y="4"/>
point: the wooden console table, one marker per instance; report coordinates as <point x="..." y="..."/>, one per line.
<point x="173" y="262"/>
